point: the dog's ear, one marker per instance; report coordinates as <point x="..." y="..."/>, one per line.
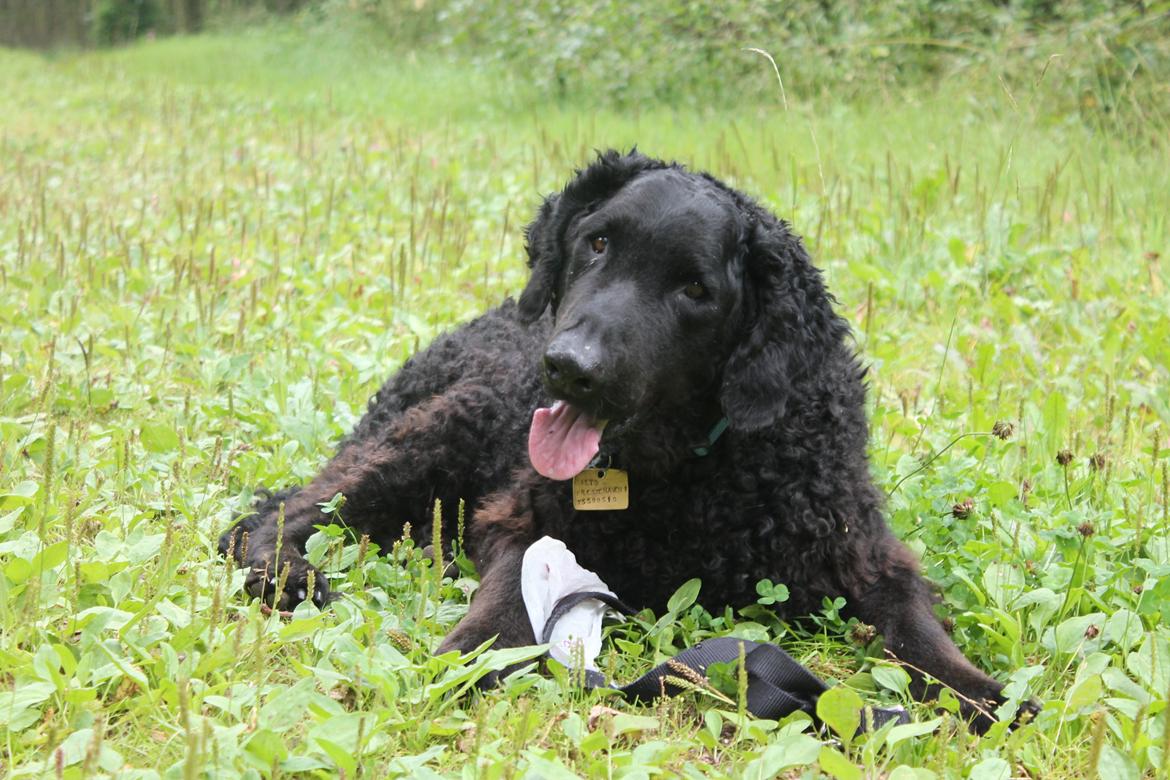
<point x="545" y="236"/>
<point x="544" y="261"/>
<point x="790" y="327"/>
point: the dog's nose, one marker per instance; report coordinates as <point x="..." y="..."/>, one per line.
<point x="571" y="373"/>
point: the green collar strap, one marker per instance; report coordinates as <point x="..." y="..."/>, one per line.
<point x="712" y="437"/>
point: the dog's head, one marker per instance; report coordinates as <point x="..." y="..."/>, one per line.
<point x="674" y="297"/>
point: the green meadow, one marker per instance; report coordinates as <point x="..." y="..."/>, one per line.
<point x="213" y="249"/>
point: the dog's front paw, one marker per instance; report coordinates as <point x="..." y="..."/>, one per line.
<point x="979" y="708"/>
<point x="233" y="543"/>
<point x="300" y="581"/>
<point x="506" y="629"/>
<point x="1026" y="712"/>
<point x="470" y="634"/>
<point x="465" y="641"/>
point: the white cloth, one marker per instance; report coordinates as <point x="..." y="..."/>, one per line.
<point x="549" y="573"/>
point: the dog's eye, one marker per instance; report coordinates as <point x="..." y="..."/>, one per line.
<point x="598" y="244"/>
<point x="695" y="291"/>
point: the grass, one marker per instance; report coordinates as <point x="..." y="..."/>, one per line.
<point x="212" y="250"/>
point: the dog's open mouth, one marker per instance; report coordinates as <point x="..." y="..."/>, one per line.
<point x="562" y="440"/>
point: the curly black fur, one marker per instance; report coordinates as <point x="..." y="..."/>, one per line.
<point x="676" y="301"/>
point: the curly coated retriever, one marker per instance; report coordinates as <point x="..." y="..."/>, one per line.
<point x="673" y="329"/>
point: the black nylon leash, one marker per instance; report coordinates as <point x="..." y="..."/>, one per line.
<point x="777" y="683"/>
<point x="573" y="599"/>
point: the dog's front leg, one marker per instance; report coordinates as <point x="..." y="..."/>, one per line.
<point x="500" y="533"/>
<point x="898" y="601"/>
<point x="271" y="543"/>
<point x="387" y="478"/>
<point x="497" y="608"/>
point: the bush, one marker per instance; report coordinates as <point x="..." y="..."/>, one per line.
<point x="694" y="52"/>
<point x="118" y="21"/>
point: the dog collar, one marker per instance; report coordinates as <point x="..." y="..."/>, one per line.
<point x="717" y="430"/>
<point x="607" y="460"/>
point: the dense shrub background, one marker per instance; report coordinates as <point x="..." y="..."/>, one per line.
<point x="116" y="21"/>
<point x="696" y="51"/>
<point x="1104" y="54"/>
<point x="55" y="23"/>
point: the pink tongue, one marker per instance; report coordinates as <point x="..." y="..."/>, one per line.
<point x="562" y="440"/>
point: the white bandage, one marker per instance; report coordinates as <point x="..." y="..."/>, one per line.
<point x="549" y="573"/>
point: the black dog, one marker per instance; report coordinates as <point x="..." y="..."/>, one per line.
<point x="675" y="330"/>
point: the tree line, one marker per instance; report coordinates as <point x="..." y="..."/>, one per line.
<point x="47" y="23"/>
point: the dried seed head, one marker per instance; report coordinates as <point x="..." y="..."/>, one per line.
<point x="963" y="509"/>
<point x="1086" y="529"/>
<point x="1092" y="632"/>
<point x="1064" y="457"/>
<point x="863" y="633"/>
<point x="400" y="640"/>
<point x="1003" y="430"/>
<point x="1097" y="461"/>
<point x="687" y="673"/>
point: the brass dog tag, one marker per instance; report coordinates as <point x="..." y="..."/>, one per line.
<point x="601" y="489"/>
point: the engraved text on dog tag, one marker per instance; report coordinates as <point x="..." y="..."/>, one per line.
<point x="601" y="489"/>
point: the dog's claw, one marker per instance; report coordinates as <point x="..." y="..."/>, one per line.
<point x="295" y="574"/>
<point x="1026" y="713"/>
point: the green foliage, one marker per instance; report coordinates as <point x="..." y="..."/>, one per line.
<point x="771" y="593"/>
<point x="839" y="708"/>
<point x="699" y="53"/>
<point x="214" y="249"/>
<point x="73" y="23"/>
<point x="119" y="21"/>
